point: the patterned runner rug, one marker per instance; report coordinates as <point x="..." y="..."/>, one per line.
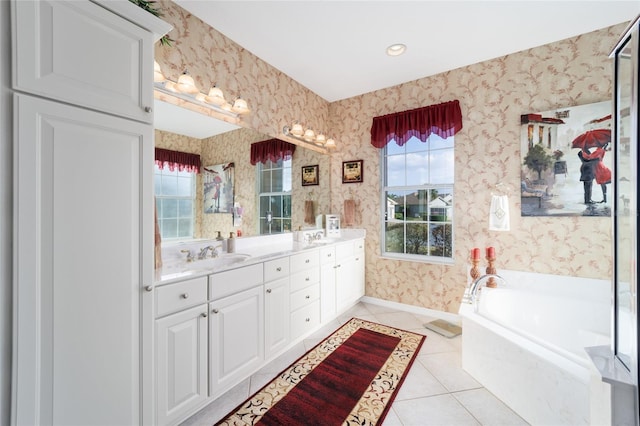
<point x="351" y="377"/>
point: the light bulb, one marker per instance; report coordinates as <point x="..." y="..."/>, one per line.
<point x="186" y="84"/>
<point x="309" y="135"/>
<point x="321" y="139"/>
<point x="240" y="106"/>
<point x="157" y="73"/>
<point x="215" y="96"/>
<point x="330" y="143"/>
<point x="297" y="130"/>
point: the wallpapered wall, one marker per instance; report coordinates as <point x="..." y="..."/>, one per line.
<point x="492" y="94"/>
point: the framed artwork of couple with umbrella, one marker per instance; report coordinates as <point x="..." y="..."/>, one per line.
<point x="566" y="161"/>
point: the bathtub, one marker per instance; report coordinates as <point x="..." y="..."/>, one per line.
<point x="525" y="345"/>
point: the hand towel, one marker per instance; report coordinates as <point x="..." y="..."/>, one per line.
<point x="499" y="213"/>
<point x="309" y="217"/>
<point x="157" y="254"/>
<point x="349" y="212"/>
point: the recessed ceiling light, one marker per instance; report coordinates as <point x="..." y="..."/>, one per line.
<point x="396" y="49"/>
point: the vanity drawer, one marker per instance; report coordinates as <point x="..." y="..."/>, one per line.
<point x="327" y="255"/>
<point x="302" y="279"/>
<point x="176" y="297"/>
<point x="304" y="260"/>
<point x="276" y="269"/>
<point x="234" y="281"/>
<point x="305" y="296"/>
<point x="305" y="319"/>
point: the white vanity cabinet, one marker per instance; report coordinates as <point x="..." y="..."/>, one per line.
<point x="236" y="326"/>
<point x="305" y="292"/>
<point x="276" y="305"/>
<point x="349" y="273"/>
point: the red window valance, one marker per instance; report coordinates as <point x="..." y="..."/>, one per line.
<point x="271" y="149"/>
<point x="183" y="161"/>
<point x="443" y="119"/>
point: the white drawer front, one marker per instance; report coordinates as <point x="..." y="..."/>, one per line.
<point x="235" y="280"/>
<point x="276" y="269"/>
<point x="303" y="279"/>
<point x="327" y="255"/>
<point x="305" y="296"/>
<point x="182" y="295"/>
<point x="304" y="260"/>
<point x="305" y="319"/>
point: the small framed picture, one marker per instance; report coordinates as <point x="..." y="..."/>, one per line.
<point x="352" y="171"/>
<point x="310" y="175"/>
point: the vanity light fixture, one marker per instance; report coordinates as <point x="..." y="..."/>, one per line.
<point x="308" y="135"/>
<point x="186" y="89"/>
<point x="396" y="49"/>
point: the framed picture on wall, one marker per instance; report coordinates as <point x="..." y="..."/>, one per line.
<point x="352" y="171"/>
<point x="310" y="175"/>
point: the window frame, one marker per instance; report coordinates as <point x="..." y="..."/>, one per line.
<point x="260" y="167"/>
<point x="192" y="198"/>
<point x="407" y="189"/>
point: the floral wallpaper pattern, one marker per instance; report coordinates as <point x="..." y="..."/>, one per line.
<point x="492" y="94"/>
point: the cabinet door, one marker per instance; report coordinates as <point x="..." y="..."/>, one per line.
<point x="345" y="283"/>
<point x="276" y="315"/>
<point x="327" y="291"/>
<point x="182" y="364"/>
<point x="84" y="253"/>
<point x="83" y="54"/>
<point x="237" y="338"/>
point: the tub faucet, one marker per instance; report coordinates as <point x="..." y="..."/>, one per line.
<point x="478" y="283"/>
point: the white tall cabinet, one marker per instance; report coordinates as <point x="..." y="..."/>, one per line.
<point x="83" y="213"/>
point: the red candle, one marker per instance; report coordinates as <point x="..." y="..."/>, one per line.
<point x="491" y="252"/>
<point x="475" y="253"/>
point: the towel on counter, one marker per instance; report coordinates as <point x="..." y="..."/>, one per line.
<point x="499" y="213"/>
<point x="349" y="212"/>
<point x="309" y="217"/>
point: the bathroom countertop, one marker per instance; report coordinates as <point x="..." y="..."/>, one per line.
<point x="245" y="255"/>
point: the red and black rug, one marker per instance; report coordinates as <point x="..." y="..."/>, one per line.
<point x="351" y="377"/>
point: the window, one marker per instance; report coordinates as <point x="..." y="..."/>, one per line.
<point x="274" y="196"/>
<point x="417" y="197"/>
<point x="175" y="201"/>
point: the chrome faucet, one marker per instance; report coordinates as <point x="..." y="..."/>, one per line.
<point x="203" y="252"/>
<point x="477" y="284"/>
<point x="190" y="257"/>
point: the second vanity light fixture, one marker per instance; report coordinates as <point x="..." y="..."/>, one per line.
<point x="185" y="88"/>
<point x="307" y="135"/>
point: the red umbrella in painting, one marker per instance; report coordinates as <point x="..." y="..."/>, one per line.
<point x="592" y="138"/>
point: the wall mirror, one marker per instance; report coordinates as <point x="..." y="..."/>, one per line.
<point x="218" y="142"/>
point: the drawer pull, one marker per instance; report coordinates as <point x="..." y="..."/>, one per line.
<point x="149" y="288"/>
<point x="329" y="255"/>
<point x="307" y="320"/>
<point x="278" y="269"/>
<point x="203" y="315"/>
<point x="307" y="279"/>
<point x="185" y="296"/>
<point x="357" y="258"/>
<point x="214" y="311"/>
<point x="268" y="290"/>
<point x="307" y="297"/>
<point x="307" y="261"/>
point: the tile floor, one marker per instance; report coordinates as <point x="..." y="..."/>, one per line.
<point x="436" y="392"/>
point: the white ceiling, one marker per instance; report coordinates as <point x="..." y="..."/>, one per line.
<point x="337" y="48"/>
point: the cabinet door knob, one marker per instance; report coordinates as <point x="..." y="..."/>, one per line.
<point x="329" y="255"/>
<point x="268" y="290"/>
<point x="278" y="269"/>
<point x="203" y="315"/>
<point x="307" y="261"/>
<point x="185" y="296"/>
<point x="148" y="109"/>
<point x="307" y="320"/>
<point x="215" y="311"/>
<point x="306" y="279"/>
<point x="149" y="288"/>
<point x="307" y="297"/>
<point x="357" y="258"/>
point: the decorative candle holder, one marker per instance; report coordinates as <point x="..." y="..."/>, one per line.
<point x="491" y="282"/>
<point x="474" y="272"/>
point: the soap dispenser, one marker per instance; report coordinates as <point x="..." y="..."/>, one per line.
<point x="231" y="243"/>
<point x="222" y="241"/>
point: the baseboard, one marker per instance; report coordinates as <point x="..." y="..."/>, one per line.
<point x="447" y="316"/>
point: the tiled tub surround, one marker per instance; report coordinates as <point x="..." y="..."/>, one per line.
<point x="525" y="345"/>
